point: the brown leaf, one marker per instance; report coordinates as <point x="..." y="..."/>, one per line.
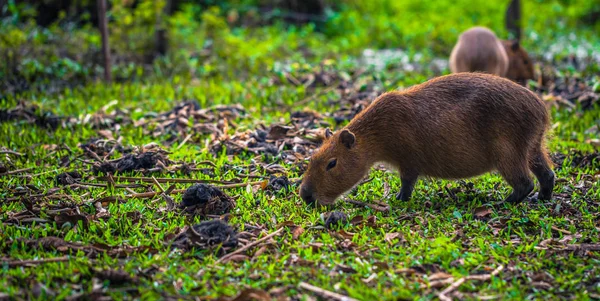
<point x="390" y="237"/>
<point x="236" y="258"/>
<point x="115" y="276"/>
<point x="249" y="294"/>
<point x="439" y="276"/>
<point x="345" y="268"/>
<point x="71" y="218"/>
<point x="297" y="232"/>
<point x="344" y="234"/>
<point x="278" y="132"/>
<point x="381" y="265"/>
<point x="106" y="134"/>
<point x="482" y="212"/>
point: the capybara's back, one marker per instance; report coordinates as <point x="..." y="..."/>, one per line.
<point x="478" y="49"/>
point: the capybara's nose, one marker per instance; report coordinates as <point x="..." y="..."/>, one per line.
<point x="306" y="194"/>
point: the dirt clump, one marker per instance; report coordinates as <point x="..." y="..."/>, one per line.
<point x="68" y="178"/>
<point x="206" y="235"/>
<point x="278" y="183"/>
<point x="335" y="219"/>
<point x="206" y="200"/>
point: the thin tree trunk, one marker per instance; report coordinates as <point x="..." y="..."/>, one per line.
<point x="161" y="40"/>
<point x="512" y="19"/>
<point x="103" y="26"/>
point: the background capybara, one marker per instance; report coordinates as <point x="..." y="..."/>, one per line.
<point x="455" y="126"/>
<point x="478" y="49"/>
<point x="520" y="67"/>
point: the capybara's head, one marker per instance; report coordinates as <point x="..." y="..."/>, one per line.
<point x="520" y="66"/>
<point x="333" y="169"/>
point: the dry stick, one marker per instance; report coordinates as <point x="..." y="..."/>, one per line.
<point x="250" y="245"/>
<point x="184" y="141"/>
<point x="557" y="229"/>
<point x="153" y="193"/>
<point x="9" y="152"/>
<point x="36" y="175"/>
<point x="460" y="281"/>
<point x="163" y="180"/>
<point x="35" y="261"/>
<point x="207" y="162"/>
<point x="324" y="293"/>
<point x="114" y="185"/>
<point x="157" y="184"/>
<point x="16" y="171"/>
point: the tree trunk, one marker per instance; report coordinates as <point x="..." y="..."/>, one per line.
<point x="103" y="26"/>
<point x="161" y="39"/>
<point x="512" y="19"/>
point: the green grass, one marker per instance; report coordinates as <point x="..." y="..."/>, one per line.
<point x="438" y="230"/>
<point x="435" y="229"/>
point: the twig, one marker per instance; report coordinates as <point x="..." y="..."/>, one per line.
<point x="167" y="198"/>
<point x="242" y="175"/>
<point x="16" y="171"/>
<point x="250" y="245"/>
<point x="237" y="185"/>
<point x="324" y="293"/>
<point x="158" y="184"/>
<point x="163" y="180"/>
<point x="36" y="175"/>
<point x="108" y="185"/>
<point x="9" y="152"/>
<point x="152" y="194"/>
<point x="35" y="261"/>
<point x="460" y="281"/>
<point x="94" y="155"/>
<point x="557" y="229"/>
<point x="207" y="163"/>
<point x="184" y="141"/>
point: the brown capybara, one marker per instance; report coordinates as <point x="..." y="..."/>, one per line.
<point x="455" y="126"/>
<point x="520" y="67"/>
<point x="479" y="50"/>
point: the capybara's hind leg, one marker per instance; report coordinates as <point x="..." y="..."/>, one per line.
<point x="516" y="173"/>
<point x="540" y="166"/>
<point x="408" y="184"/>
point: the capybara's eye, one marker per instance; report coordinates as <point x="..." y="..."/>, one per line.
<point x="331" y="164"/>
<point x="525" y="62"/>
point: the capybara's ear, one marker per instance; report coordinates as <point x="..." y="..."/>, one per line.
<point x="515" y="45"/>
<point x="328" y="133"/>
<point x="347" y="138"/>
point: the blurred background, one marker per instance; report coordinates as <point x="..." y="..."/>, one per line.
<point x="56" y="44"/>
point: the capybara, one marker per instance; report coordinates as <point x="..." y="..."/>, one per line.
<point x="479" y="50"/>
<point x="520" y="67"/>
<point x="455" y="126"/>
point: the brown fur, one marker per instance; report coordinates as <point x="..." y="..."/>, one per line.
<point x="479" y="50"/>
<point x="455" y="126"/>
<point x="520" y="67"/>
